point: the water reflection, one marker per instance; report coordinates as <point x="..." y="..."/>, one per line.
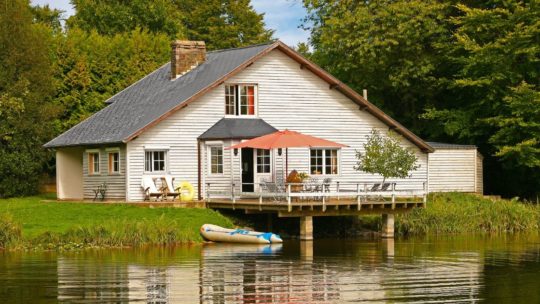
<point x="459" y="269"/>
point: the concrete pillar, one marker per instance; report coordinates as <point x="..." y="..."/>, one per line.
<point x="387" y="226"/>
<point x="306" y="228"/>
<point x="306" y="251"/>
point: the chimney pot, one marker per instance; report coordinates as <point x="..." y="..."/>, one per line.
<point x="186" y="55"/>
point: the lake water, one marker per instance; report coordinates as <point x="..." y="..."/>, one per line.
<point x="465" y="269"/>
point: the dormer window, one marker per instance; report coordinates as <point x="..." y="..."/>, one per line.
<point x="240" y="99"/>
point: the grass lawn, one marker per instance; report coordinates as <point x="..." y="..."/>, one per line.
<point x="126" y="223"/>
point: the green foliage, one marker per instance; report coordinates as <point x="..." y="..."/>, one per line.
<point x="117" y="16"/>
<point x="221" y="24"/>
<point x="26" y="89"/>
<point x="73" y="225"/>
<point x="385" y="156"/>
<point x="517" y="135"/>
<point x="90" y="68"/>
<point x="224" y="24"/>
<point x="10" y="232"/>
<point x="466" y="213"/>
<point x="472" y="67"/>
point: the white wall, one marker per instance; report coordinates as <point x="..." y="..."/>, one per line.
<point x="288" y="98"/>
<point x="69" y="173"/>
<point x="454" y="170"/>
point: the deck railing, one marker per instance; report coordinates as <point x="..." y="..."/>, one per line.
<point x="316" y="192"/>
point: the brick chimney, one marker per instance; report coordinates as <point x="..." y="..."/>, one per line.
<point x="185" y="56"/>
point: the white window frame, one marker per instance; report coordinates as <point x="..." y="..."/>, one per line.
<point x="324" y="150"/>
<point x="216" y="145"/>
<point x="94" y="151"/>
<point x="165" y="159"/>
<point x="269" y="164"/>
<point x="237" y="105"/>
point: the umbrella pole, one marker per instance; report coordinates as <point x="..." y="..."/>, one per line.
<point x="286" y="163"/>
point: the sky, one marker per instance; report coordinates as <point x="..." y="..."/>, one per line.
<point x="283" y="16"/>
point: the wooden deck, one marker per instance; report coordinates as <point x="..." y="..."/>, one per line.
<point x="331" y="207"/>
<point x="329" y="200"/>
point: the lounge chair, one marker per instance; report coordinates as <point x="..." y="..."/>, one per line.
<point x="150" y="189"/>
<point x="167" y="188"/>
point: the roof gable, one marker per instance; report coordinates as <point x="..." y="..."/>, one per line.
<point x="155" y="97"/>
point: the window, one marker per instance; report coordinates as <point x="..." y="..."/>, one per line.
<point x="93" y="163"/>
<point x="154" y="161"/>
<point x="324" y="161"/>
<point x="216" y="159"/>
<point x="114" y="162"/>
<point x="263" y="161"/>
<point x="240" y="100"/>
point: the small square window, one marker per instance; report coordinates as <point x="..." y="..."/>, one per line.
<point x="216" y="159"/>
<point x="323" y="161"/>
<point x="263" y="161"/>
<point x="155" y="161"/>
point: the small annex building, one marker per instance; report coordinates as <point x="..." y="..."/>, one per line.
<point x="455" y="168"/>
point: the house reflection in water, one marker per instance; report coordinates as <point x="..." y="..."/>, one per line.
<point x="296" y="273"/>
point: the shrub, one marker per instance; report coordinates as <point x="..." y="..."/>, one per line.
<point x="10" y="232"/>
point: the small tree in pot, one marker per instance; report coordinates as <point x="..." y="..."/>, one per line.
<point x="385" y="156"/>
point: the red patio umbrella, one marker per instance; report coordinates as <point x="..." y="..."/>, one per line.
<point x="286" y="139"/>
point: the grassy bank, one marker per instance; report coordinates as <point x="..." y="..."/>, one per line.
<point x="32" y="223"/>
<point x="466" y="213"/>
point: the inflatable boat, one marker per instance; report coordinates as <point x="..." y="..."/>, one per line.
<point x="219" y="234"/>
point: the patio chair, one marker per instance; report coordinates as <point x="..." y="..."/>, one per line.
<point x="326" y="184"/>
<point x="149" y="188"/>
<point x="167" y="188"/>
<point x="100" y="191"/>
<point x="278" y="195"/>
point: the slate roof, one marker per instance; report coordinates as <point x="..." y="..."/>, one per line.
<point x="439" y="145"/>
<point x="151" y="97"/>
<point x="238" y="128"/>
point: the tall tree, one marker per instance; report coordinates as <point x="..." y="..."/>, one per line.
<point x="93" y="67"/>
<point x="224" y="23"/>
<point x="25" y="92"/>
<point x="109" y="17"/>
<point x="471" y="66"/>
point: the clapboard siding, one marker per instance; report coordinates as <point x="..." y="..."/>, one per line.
<point x="288" y="98"/>
<point x="116" y="183"/>
<point x="453" y="170"/>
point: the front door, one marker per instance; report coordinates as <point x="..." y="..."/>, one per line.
<point x="247" y="170"/>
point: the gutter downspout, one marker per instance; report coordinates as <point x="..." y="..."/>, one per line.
<point x="199" y="183"/>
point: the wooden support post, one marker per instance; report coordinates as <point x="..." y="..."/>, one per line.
<point x="232" y="194"/>
<point x="393" y="196"/>
<point x="424" y="200"/>
<point x="365" y="193"/>
<point x="260" y="198"/>
<point x="323" y="199"/>
<point x="387" y="226"/>
<point x="337" y="190"/>
<point x="306" y="228"/>
<point x="358" y="197"/>
<point x="289" y="206"/>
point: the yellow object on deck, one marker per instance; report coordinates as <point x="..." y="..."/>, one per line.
<point x="187" y="192"/>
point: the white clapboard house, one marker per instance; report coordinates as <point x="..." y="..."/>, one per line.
<point x="179" y="120"/>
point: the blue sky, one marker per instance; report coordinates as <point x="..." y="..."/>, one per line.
<point x="284" y="16"/>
